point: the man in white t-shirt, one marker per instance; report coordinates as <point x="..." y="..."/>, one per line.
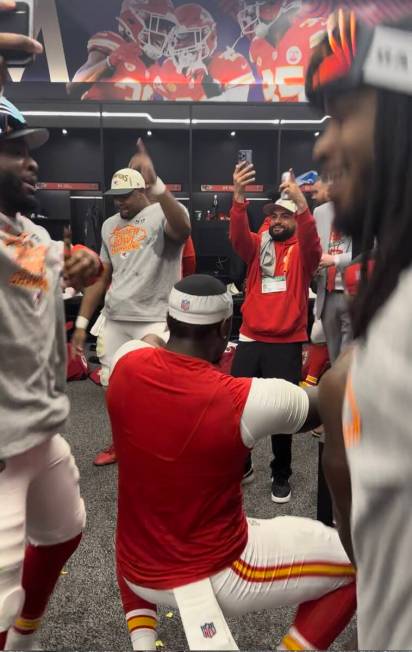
<point x="41" y="511"/>
<point x="141" y="253"/>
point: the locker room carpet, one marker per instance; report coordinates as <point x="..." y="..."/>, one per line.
<point x="85" y="611"/>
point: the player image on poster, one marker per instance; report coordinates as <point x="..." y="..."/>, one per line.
<point x="214" y="50"/>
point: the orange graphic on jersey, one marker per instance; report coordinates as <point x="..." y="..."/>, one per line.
<point x="32" y="260"/>
<point x="351" y="428"/>
<point x="127" y="238"/>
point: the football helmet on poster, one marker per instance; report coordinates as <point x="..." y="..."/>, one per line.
<point x="194" y="39"/>
<point x="148" y="23"/>
<point x="256" y="18"/>
<point x="249" y="16"/>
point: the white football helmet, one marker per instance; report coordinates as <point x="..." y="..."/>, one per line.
<point x="148" y="23"/>
<point x="194" y="39"/>
<point x="255" y="18"/>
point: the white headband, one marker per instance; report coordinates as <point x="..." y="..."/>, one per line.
<point x="194" y="309"/>
<point x="389" y="60"/>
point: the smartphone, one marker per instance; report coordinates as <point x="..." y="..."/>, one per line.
<point x="245" y="155"/>
<point x="18" y="21"/>
<point x="286" y="177"/>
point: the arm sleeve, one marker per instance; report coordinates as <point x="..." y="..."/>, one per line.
<point x="131" y="345"/>
<point x="244" y="242"/>
<point x="310" y="247"/>
<point x="342" y="261"/>
<point x="273" y="407"/>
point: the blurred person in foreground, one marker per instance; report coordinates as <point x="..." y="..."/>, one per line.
<point x="188" y="543"/>
<point x="42" y="514"/>
<point x="362" y="78"/>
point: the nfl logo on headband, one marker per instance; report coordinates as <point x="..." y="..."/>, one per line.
<point x="190" y="306"/>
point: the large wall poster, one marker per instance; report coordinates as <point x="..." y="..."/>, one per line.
<point x="215" y="50"/>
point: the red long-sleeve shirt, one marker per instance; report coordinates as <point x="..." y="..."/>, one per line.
<point x="278" y="317"/>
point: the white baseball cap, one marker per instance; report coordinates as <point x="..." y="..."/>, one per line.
<point x="287" y="204"/>
<point x="125" y="181"/>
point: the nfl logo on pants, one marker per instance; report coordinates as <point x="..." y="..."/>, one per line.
<point x="208" y="630"/>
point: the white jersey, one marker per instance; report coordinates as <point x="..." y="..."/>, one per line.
<point x="378" y="437"/>
<point x="33" y="403"/>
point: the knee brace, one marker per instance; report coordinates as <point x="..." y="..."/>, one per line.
<point x="11" y="604"/>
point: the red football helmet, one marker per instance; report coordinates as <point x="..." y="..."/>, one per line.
<point x="195" y="37"/>
<point x="255" y="17"/>
<point x="148" y="23"/>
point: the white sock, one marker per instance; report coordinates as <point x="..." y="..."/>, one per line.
<point x="17" y="641"/>
<point x="142" y="624"/>
<point x="143" y="639"/>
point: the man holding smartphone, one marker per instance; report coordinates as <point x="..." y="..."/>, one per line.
<point x="281" y="259"/>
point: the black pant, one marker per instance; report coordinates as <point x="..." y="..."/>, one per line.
<point x="262" y="360"/>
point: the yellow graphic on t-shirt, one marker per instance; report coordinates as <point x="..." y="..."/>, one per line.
<point x="31" y="260"/>
<point x="127" y="238"/>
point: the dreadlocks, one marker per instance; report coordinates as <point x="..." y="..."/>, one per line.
<point x="389" y="215"/>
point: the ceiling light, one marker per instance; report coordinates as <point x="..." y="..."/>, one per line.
<point x="233" y="134"/>
<point x="198" y="121"/>
<point x="305" y="122"/>
<point x="317" y="133"/>
<point x="64" y="132"/>
<point x="149" y="133"/>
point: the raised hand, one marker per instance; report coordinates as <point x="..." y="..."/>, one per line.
<point x="294" y="192"/>
<point x="142" y="162"/>
<point x="243" y="175"/>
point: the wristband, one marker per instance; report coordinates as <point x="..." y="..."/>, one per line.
<point x="82" y="322"/>
<point x="158" y="188"/>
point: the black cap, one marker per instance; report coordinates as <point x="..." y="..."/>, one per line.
<point x="13" y="126"/>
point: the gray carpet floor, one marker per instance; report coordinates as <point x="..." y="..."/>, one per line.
<point x="85" y="611"/>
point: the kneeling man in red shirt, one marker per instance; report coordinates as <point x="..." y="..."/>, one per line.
<point x="182" y="431"/>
